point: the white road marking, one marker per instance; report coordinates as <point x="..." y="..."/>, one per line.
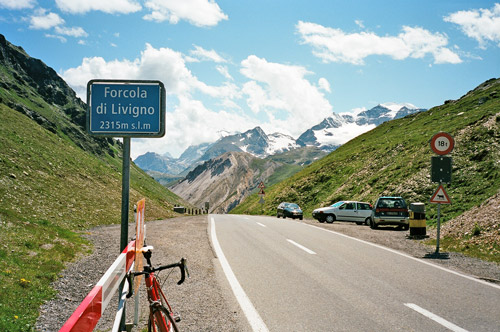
<point x="435" y="318"/>
<point x="410" y="257"/>
<point x="309" y="251"/>
<point x="246" y="305"/>
<point x="261" y="224"/>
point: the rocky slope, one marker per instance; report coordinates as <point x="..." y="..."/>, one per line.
<point x="224" y="181"/>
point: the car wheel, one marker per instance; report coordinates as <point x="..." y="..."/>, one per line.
<point x="368" y="221"/>
<point x="277" y="215"/>
<point x="284" y="216"/>
<point x="330" y="218"/>
<point x="406" y="227"/>
<point x="301" y="218"/>
<point x="321" y="220"/>
<point x="373" y="225"/>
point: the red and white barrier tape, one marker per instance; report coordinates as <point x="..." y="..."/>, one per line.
<point x="88" y="313"/>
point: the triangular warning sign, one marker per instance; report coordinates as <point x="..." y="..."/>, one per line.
<point x="440" y="196"/>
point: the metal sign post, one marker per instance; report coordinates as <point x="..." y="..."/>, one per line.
<point x="441" y="143"/>
<point x="125" y="108"/>
<point x="261" y="194"/>
<point x="439" y="197"/>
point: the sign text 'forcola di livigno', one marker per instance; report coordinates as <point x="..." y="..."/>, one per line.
<point x="126" y="108"/>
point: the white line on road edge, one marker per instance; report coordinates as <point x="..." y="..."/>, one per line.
<point x="261" y="224"/>
<point x="410" y="257"/>
<point x="435" y="318"/>
<point x="246" y="305"/>
<point x="309" y="251"/>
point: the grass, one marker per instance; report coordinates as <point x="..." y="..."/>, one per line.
<point x="468" y="247"/>
<point x="51" y="192"/>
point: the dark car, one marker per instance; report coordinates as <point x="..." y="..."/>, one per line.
<point x="290" y="210"/>
<point x="390" y="210"/>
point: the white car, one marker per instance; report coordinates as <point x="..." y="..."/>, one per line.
<point x="359" y="212"/>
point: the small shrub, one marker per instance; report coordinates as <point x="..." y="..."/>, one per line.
<point x="476" y="231"/>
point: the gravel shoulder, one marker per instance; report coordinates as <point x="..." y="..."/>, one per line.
<point x="205" y="301"/>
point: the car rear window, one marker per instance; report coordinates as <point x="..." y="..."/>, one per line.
<point x="391" y="203"/>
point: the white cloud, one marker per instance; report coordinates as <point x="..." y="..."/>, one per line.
<point x="334" y="45"/>
<point x="278" y="89"/>
<point x="191" y="123"/>
<point x="73" y="32"/>
<point x="107" y="6"/>
<point x="17" y="4"/>
<point x="281" y="97"/>
<point x="482" y="25"/>
<point x="224" y="71"/>
<point x="61" y="38"/>
<point x="168" y="66"/>
<point x="44" y="21"/>
<point x="324" y="84"/>
<point x="202" y="13"/>
<point x="206" y="55"/>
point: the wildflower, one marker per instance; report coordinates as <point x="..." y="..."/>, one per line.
<point x="24" y="282"/>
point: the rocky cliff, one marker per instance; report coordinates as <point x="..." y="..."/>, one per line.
<point x="224" y="181"/>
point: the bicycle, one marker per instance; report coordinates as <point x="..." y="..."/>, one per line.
<point x="161" y="316"/>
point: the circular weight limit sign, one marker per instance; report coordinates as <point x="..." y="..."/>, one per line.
<point x="442" y="143"/>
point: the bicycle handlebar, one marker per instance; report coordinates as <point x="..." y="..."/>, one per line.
<point x="182" y="265"/>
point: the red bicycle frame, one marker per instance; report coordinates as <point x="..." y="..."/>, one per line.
<point x="157" y="298"/>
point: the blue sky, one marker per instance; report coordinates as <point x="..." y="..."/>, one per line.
<point x="283" y="65"/>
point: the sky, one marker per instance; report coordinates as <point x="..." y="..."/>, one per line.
<point x="283" y="65"/>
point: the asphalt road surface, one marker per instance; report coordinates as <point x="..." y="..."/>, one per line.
<point x="290" y="276"/>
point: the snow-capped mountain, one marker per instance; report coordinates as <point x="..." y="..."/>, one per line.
<point x="151" y="161"/>
<point x="254" y="141"/>
<point x="340" y="128"/>
<point x="327" y="135"/>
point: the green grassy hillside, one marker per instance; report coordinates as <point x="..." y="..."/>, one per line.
<point x="56" y="182"/>
<point x="394" y="159"/>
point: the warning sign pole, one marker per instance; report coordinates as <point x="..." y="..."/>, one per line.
<point x="442" y="144"/>
<point x="440" y="197"/>
<point x="438" y="235"/>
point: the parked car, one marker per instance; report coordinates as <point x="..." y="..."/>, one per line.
<point x="359" y="212"/>
<point x="290" y="210"/>
<point x="390" y="210"/>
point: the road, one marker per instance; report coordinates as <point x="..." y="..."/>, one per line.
<point x="290" y="276"/>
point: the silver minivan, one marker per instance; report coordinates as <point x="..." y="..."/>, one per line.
<point x="359" y="212"/>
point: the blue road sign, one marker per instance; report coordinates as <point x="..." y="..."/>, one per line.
<point x="126" y="108"/>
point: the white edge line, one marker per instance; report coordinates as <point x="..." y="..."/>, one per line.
<point x="309" y="251"/>
<point x="410" y="257"/>
<point x="261" y="224"/>
<point x="246" y="305"/>
<point x="435" y="318"/>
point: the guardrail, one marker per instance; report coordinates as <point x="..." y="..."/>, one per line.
<point x="88" y="313"/>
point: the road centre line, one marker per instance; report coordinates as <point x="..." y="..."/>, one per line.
<point x="410" y="257"/>
<point x="435" y="318"/>
<point x="258" y="223"/>
<point x="246" y="305"/>
<point x="309" y="251"/>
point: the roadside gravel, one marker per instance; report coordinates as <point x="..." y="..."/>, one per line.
<point x="200" y="300"/>
<point x="205" y="301"/>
